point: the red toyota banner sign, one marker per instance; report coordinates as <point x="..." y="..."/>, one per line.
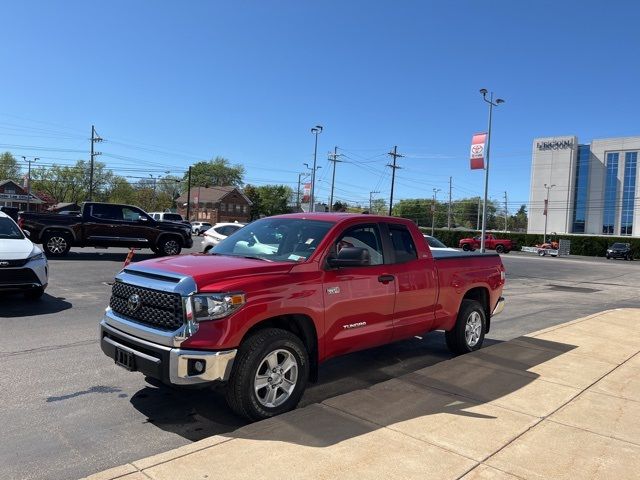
<point x="306" y="193"/>
<point x="477" y="151"/>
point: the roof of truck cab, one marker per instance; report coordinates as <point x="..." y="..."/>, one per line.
<point x="338" y="217"/>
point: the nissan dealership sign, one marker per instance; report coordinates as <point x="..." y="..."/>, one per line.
<point x="555" y="145"/>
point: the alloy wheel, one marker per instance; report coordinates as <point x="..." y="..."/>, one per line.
<point x="473" y="329"/>
<point x="171" y="247"/>
<point x="57" y="245"/>
<point x="276" y="378"/>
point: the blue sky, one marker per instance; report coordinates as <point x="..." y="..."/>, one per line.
<point x="168" y="83"/>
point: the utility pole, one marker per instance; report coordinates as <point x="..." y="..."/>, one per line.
<point x="29" y="181"/>
<point x="433" y="210"/>
<point x="95" y="138"/>
<point x="333" y="157"/>
<point x="546" y="211"/>
<point x="371" y="200"/>
<point x="506" y="211"/>
<point x="393" y="166"/>
<point x="449" y="209"/>
<point x="189" y="195"/>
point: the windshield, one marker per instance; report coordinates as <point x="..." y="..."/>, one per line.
<point x="9" y="230"/>
<point x="276" y="239"/>
<point x="434" y="242"/>
<point x="619" y="245"/>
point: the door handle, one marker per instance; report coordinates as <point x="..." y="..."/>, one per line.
<point x="386" y="278"/>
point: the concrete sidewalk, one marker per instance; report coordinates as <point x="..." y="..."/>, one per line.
<point x="559" y="403"/>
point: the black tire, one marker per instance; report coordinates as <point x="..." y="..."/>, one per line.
<point x="242" y="395"/>
<point x="56" y="244"/>
<point x="499" y="248"/>
<point x="608" y="256"/>
<point x="542" y="252"/>
<point x="169" y="246"/>
<point x="629" y="257"/>
<point x="34" y="293"/>
<point x="457" y="339"/>
<point x="207" y="248"/>
<point x="466" y="247"/>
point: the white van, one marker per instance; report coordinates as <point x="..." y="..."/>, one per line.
<point x="166" y="216"/>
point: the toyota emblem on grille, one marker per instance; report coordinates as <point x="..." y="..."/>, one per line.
<point x="133" y="302"/>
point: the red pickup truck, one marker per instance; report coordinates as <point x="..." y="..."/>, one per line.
<point x="267" y="305"/>
<point x="490" y="243"/>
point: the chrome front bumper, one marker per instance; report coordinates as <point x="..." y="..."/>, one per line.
<point x="498" y="308"/>
<point x="171" y="365"/>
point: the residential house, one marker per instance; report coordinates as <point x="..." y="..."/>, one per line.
<point x="12" y="194"/>
<point x="215" y="204"/>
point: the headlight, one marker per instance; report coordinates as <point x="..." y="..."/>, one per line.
<point x="39" y="255"/>
<point x="212" y="306"/>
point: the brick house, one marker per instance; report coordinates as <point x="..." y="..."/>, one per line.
<point x="215" y="204"/>
<point x="12" y="194"/>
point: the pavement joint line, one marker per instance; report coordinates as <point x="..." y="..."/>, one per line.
<point x="612" y="437"/>
<point x="605" y="394"/>
<point x="179" y="456"/>
<point x="546" y="417"/>
<point x="387" y="427"/>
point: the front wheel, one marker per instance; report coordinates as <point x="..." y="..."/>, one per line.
<point x="269" y="374"/>
<point x="468" y="333"/>
<point x="169" y="246"/>
<point x="466" y="247"/>
<point x="608" y="256"/>
<point x="499" y="249"/>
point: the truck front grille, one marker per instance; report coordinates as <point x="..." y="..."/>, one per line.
<point x="157" y="309"/>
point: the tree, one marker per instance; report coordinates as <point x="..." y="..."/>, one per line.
<point x="9" y="167"/>
<point x="71" y="183"/>
<point x="268" y="199"/>
<point x="518" y="222"/>
<point x="379" y="206"/>
<point x="339" y="207"/>
<point x="217" y="172"/>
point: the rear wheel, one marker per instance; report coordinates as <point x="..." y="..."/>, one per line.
<point x="269" y="374"/>
<point x="468" y="333"/>
<point x="608" y="256"/>
<point x="56" y="244"/>
<point x="499" y="249"/>
<point x="466" y="247"/>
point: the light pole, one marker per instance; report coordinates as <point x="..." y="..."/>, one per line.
<point x="546" y="211"/>
<point x="300" y="175"/>
<point x="433" y="210"/>
<point x="313" y="176"/>
<point x="492" y="104"/>
<point x="317" y="130"/>
<point x="29" y="181"/>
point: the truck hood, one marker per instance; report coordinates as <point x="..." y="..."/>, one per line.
<point x="208" y="269"/>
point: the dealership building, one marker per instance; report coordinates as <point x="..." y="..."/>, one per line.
<point x="585" y="188"/>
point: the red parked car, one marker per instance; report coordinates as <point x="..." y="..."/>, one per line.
<point x="490" y="243"/>
<point x="266" y="306"/>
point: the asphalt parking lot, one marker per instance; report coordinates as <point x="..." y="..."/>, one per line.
<point x="68" y="411"/>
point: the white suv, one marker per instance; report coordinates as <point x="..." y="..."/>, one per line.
<point x="199" y="227"/>
<point x="23" y="266"/>
<point x="217" y="233"/>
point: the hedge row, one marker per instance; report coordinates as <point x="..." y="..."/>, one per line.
<point x="589" y="245"/>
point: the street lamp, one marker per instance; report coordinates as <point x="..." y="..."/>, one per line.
<point x="492" y="104"/>
<point x="29" y="180"/>
<point x="317" y="130"/>
<point x="546" y="211"/>
<point x="313" y="176"/>
<point x="433" y="210"/>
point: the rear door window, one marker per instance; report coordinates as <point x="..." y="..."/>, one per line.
<point x="105" y="211"/>
<point x="403" y="246"/>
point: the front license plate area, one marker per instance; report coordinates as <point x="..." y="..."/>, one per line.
<point x="125" y="359"/>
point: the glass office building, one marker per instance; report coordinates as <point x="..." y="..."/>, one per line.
<point x="588" y="188"/>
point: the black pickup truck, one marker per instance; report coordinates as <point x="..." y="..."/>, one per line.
<point x="105" y="225"/>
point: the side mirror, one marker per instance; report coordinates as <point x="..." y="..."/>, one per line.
<point x="350" y="257"/>
<point x="143" y="219"/>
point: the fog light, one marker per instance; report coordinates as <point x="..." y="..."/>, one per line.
<point x="199" y="366"/>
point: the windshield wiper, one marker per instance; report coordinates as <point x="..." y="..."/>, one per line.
<point x="252" y="257"/>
